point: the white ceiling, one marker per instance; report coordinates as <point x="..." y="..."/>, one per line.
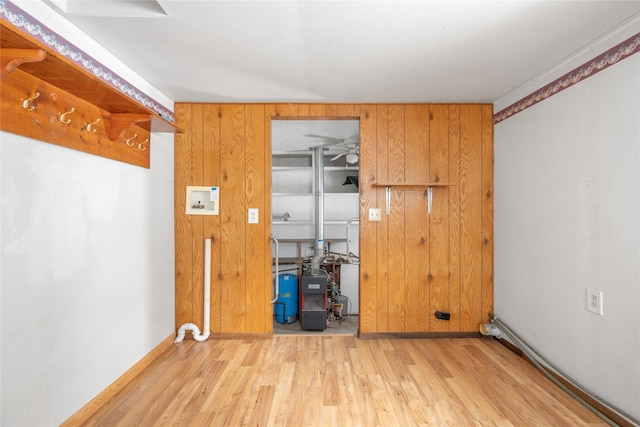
<point x="344" y="51"/>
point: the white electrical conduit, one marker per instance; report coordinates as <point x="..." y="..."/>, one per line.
<point x="277" y="263"/>
<point x="349" y="254"/>
<point x="497" y="329"/>
<point x="207" y="302"/>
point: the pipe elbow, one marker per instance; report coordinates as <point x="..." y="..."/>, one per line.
<point x="184" y="328"/>
<point x="200" y="337"/>
<point x="489" y="329"/>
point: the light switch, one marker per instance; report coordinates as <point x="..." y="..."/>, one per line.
<point x="253" y="215"/>
<point x="375" y="214"/>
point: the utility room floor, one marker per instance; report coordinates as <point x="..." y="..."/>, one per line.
<point x="348" y="326"/>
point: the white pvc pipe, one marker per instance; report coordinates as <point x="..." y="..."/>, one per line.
<point x="207" y="302"/>
<point x="351" y="261"/>
<point x="489" y="329"/>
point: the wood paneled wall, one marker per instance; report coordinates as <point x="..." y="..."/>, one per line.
<point x="412" y="263"/>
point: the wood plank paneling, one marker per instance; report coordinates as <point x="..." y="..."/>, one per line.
<point x="416" y="238"/>
<point x="304" y="110"/>
<point x="317" y="110"/>
<point x="454" y="217"/>
<point x="471" y="216"/>
<point x="382" y="228"/>
<point x="233" y="218"/>
<point x="347" y="110"/>
<point x="290" y="111"/>
<point x="256" y="238"/>
<point x="439" y="219"/>
<point x="211" y="177"/>
<point x="411" y="264"/>
<point x="197" y="221"/>
<point x="182" y="223"/>
<point x="396" y="159"/>
<point x="369" y="264"/>
<point x="332" y="110"/>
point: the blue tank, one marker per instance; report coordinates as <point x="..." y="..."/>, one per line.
<point x="286" y="306"/>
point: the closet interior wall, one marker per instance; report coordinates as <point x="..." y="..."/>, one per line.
<point x="412" y="263"/>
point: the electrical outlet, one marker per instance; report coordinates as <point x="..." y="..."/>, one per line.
<point x="594" y="301"/>
<point x="375" y="214"/>
<point x="253" y="215"/>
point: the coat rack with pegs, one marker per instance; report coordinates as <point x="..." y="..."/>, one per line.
<point x="49" y="98"/>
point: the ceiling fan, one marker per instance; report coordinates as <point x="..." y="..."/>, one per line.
<point x="350" y="146"/>
<point x="351" y="154"/>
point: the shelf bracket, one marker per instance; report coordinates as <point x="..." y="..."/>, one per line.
<point x="10" y="59"/>
<point x="388" y="199"/>
<point x="120" y="123"/>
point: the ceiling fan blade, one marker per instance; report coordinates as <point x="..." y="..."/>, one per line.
<point x="325" y="137"/>
<point x="330" y="140"/>
<point x="338" y="156"/>
<point x="303" y="150"/>
<point x="355" y="138"/>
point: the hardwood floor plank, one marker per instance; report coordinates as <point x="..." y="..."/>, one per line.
<point x="347" y="394"/>
<point x="340" y="380"/>
<point x="330" y="388"/>
<point x="282" y="391"/>
<point x="260" y="406"/>
<point x="479" y="405"/>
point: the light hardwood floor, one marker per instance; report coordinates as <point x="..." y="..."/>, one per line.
<point x="341" y="381"/>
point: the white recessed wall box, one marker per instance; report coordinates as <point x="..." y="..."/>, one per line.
<point x="203" y="200"/>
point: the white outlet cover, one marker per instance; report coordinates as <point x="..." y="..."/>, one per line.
<point x="253" y="215"/>
<point x="594" y="301"/>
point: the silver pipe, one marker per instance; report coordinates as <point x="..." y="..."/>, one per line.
<point x="318" y="168"/>
<point x="388" y="199"/>
<point x="277" y="263"/>
<point x="534" y="357"/>
<point x="349" y="222"/>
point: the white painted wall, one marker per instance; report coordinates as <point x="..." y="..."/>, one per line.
<point x="567" y="217"/>
<point x="87" y="262"/>
<point x="87" y="273"/>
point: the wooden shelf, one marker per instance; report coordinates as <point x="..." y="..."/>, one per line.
<point x="412" y="185"/>
<point x="68" y="76"/>
<point x="103" y="120"/>
<point x="310" y="169"/>
<point x="353" y="193"/>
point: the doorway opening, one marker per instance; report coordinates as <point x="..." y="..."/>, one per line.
<point x="315" y="228"/>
